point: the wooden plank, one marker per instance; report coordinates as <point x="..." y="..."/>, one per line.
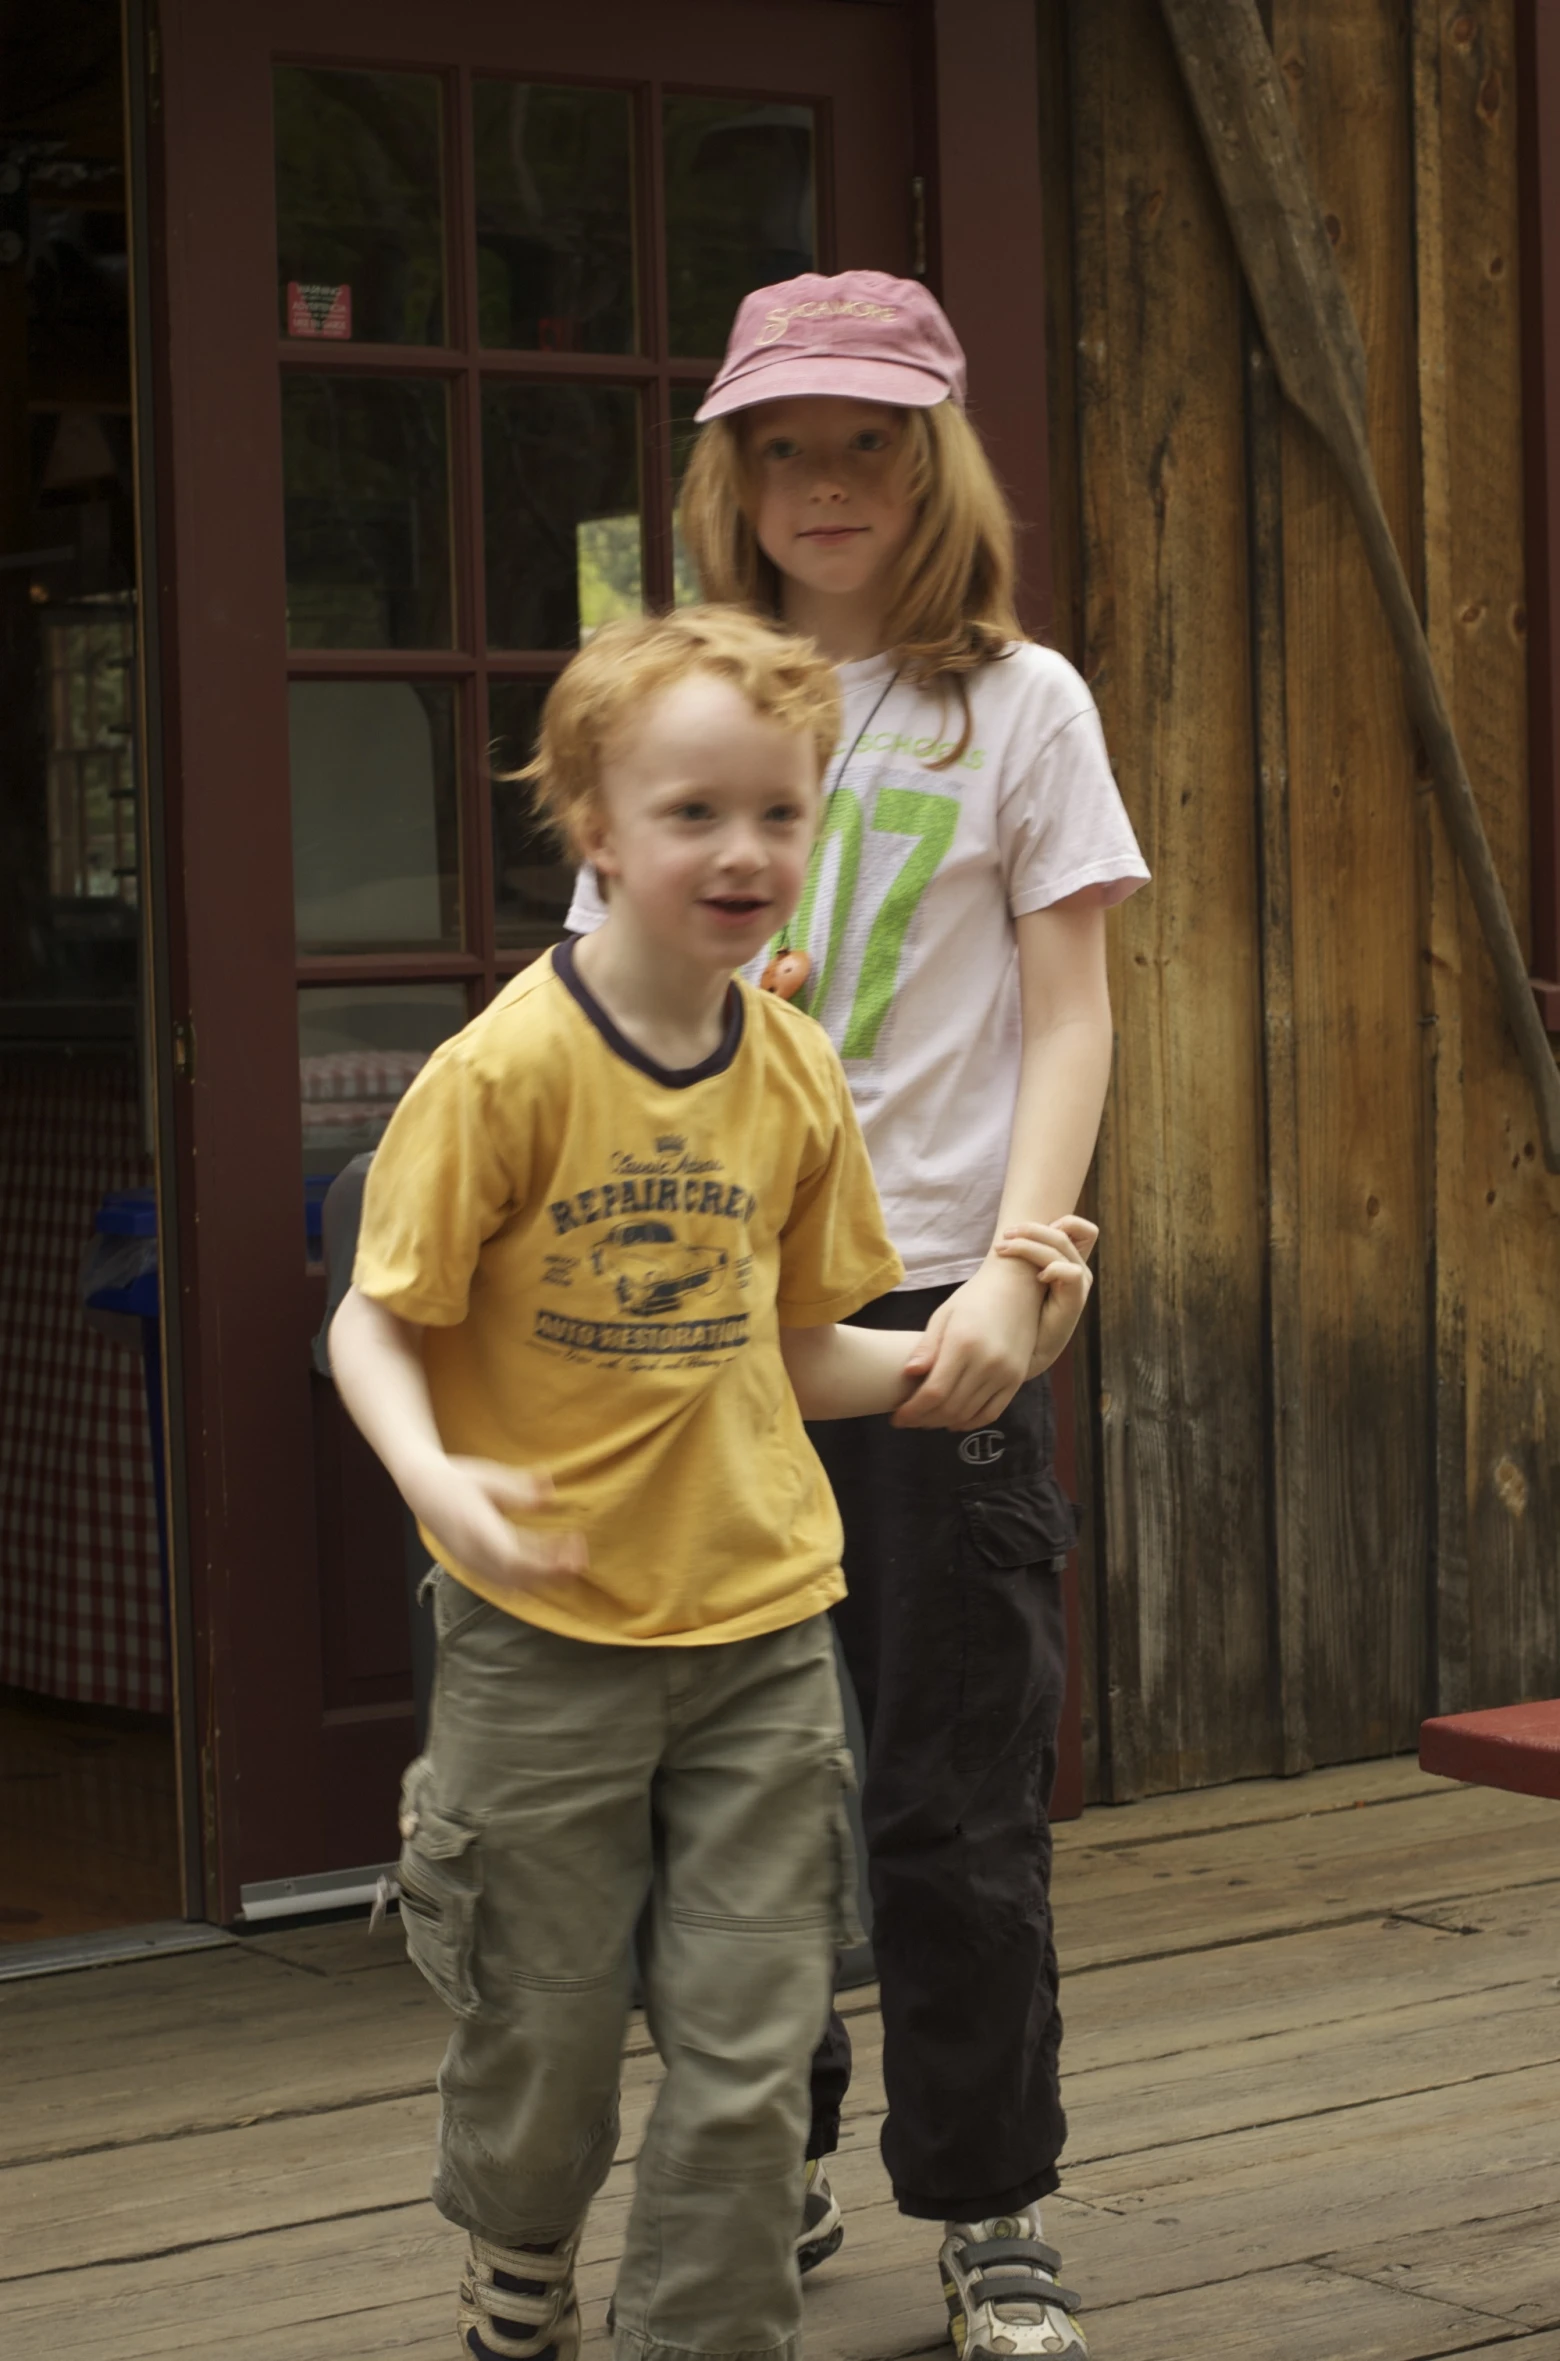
<point x="1165" y="640"/>
<point x="174" y="2049"/>
<point x="1305" y="2313"/>
<point x="1505" y="2266"/>
<point x="333" y="2162"/>
<point x="1286" y="2078"/>
<point x="1500" y="1628"/>
<point x="1289" y="1488"/>
<point x="1297" y="288"/>
<point x="1065" y="631"/>
<point x="1220" y="2142"/>
<point x="1149" y="2011"/>
<point x="1341" y="1787"/>
<point x="1364" y="1247"/>
<point x="1283" y="2076"/>
<point x="1443" y="980"/>
<point x="1182" y="2216"/>
<point x="1198" y="1892"/>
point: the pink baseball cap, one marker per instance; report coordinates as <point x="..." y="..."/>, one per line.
<point x="862" y="334"/>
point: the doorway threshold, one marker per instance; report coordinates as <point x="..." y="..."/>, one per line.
<point x="111" y="1947"/>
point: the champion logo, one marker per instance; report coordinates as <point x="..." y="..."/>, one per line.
<point x="983" y="1447"/>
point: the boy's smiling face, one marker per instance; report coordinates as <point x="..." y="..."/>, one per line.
<point x="705" y="816"/>
<point x="833" y="504"/>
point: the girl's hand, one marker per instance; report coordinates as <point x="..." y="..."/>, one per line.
<point x="1058" y="1253"/>
<point x="469" y="1505"/>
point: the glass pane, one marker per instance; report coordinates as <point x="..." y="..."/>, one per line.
<point x="560" y="504"/>
<point x="739" y="210"/>
<point x="685" y="433"/>
<point x="359" y="205"/>
<point x="360" y="1046"/>
<point x="366" y="469"/>
<point x="90" y="758"/>
<point x="376" y="835"/>
<point x="533" y="879"/>
<point x="555" y="224"/>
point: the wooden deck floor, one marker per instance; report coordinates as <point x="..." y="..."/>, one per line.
<point x="1313" y="2066"/>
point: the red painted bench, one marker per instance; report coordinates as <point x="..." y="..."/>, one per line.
<point x="1515" y="1746"/>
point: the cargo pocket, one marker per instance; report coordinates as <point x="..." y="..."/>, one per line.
<point x="848" y="1929"/>
<point x="1020" y="1524"/>
<point x="1013" y="1544"/>
<point x="441" y="1885"/>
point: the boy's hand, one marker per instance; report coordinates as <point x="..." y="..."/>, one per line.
<point x="999" y="1328"/>
<point x="1058" y="1253"/>
<point x="976" y="1351"/>
<point x="469" y="1505"/>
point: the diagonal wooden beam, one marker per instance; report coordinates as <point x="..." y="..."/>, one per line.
<point x="1298" y="291"/>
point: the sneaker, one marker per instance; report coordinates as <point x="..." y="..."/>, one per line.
<point x="517" y="2303"/>
<point x="1003" y="2295"/>
<point x="823" y="2225"/>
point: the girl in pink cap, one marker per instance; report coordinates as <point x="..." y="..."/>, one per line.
<point x="951" y="939"/>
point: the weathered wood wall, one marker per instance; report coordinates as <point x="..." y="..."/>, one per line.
<point x="1324" y="1485"/>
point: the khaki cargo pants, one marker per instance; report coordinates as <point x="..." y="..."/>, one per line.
<point x="567" y="1789"/>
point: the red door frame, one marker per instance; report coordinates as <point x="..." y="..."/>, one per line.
<point x="271" y="1759"/>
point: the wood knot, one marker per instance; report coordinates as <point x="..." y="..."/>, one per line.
<point x="1149" y="208"/>
<point x="1511" y="1487"/>
<point x="1472" y="615"/>
<point x="1490" y="94"/>
<point x="1462" y="30"/>
<point x="1372" y="1207"/>
<point x="1519" y="622"/>
<point x="1333" y="226"/>
<point x="1293" y="68"/>
<point x="1497" y="266"/>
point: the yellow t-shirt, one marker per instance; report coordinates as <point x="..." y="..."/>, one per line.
<point x="602" y="1253"/>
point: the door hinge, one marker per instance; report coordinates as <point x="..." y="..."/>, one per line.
<point x="184" y="1048"/>
<point x="917" y="226"/>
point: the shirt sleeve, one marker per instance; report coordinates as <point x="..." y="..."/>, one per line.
<point x="1064" y="826"/>
<point x="588" y="908"/>
<point x="443" y="1180"/>
<point x="835" y="1254"/>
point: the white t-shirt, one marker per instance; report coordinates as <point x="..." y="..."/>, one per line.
<point x="907" y="918"/>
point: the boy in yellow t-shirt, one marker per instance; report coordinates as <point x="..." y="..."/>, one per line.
<point x="606" y="1244"/>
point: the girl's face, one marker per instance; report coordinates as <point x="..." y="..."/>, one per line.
<point x="831" y="478"/>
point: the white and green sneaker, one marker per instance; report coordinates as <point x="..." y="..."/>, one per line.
<point x="823" y="2225"/>
<point x="1002" y="2291"/>
<point x="517" y="2304"/>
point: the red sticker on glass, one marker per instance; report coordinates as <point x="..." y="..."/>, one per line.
<point x="315" y="309"/>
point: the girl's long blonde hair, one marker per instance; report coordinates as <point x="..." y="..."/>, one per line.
<point x="953" y="610"/>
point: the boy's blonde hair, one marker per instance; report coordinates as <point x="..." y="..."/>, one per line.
<point x="953" y="610"/>
<point x="625" y="662"/>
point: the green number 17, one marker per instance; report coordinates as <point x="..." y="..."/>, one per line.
<point x="899" y="811"/>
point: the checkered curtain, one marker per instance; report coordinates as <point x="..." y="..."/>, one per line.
<point x="81" y="1612"/>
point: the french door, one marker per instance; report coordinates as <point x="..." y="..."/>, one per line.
<point x="438" y="293"/>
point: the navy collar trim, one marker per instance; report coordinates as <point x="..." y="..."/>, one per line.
<point x="669" y="1077"/>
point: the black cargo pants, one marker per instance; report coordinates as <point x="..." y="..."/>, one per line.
<point x="954" y="1631"/>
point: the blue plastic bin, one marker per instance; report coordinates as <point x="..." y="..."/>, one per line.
<point x="121" y="1279"/>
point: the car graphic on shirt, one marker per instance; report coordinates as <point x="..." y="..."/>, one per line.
<point x="649" y="1270"/>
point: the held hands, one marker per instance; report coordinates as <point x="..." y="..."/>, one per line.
<point x="470" y="1506"/>
<point x="1059" y="1255"/>
<point x="993" y="1333"/>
